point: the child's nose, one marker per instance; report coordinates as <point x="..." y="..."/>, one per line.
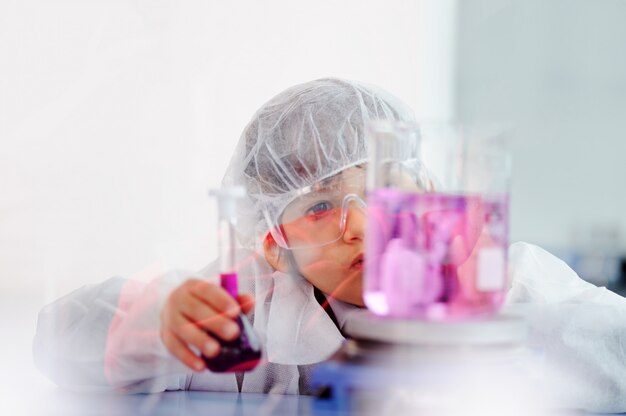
<point x="355" y="222"/>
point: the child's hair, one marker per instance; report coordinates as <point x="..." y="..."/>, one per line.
<point x="304" y="134"/>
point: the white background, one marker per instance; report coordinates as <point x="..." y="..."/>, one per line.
<point x="118" y="116"/>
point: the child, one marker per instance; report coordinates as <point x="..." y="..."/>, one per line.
<point x="301" y="155"/>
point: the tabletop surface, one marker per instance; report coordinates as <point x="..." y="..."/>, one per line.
<point x="181" y="403"/>
<point x="60" y="402"/>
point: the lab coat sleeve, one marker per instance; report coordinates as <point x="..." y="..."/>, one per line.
<point x="71" y="335"/>
<point x="579" y="328"/>
<point x="79" y="340"/>
<point x="107" y="337"/>
<point x="135" y="358"/>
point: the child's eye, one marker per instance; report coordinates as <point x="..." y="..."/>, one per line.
<point x="319" y="210"/>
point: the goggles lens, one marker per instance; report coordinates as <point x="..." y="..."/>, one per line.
<point x="317" y="216"/>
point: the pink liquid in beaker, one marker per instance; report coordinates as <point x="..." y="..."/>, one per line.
<point x="435" y="256"/>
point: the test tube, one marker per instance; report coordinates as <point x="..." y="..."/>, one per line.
<point x="243" y="353"/>
<point x="227" y="220"/>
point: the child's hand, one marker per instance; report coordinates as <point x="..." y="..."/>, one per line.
<point x="191" y="309"/>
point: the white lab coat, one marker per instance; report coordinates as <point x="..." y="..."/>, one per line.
<point x="106" y="336"/>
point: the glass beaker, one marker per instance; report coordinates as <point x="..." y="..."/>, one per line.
<point x="437" y="234"/>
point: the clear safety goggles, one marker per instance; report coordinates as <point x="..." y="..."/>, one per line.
<point x="317" y="215"/>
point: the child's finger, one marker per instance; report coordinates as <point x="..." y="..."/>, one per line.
<point x="246" y="300"/>
<point x="214" y="296"/>
<point x="191" y="334"/>
<point x="202" y="315"/>
<point x="180" y="350"/>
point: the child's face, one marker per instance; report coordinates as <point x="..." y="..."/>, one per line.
<point x="337" y="268"/>
<point x="311" y="222"/>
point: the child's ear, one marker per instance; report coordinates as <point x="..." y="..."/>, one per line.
<point x="273" y="254"/>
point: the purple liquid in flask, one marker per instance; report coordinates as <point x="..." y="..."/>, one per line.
<point x="435" y="256"/>
<point x="243" y="353"/>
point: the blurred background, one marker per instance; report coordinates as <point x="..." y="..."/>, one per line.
<point x="117" y="116"/>
<point x="556" y="70"/>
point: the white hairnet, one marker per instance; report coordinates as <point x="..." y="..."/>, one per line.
<point x="303" y="135"/>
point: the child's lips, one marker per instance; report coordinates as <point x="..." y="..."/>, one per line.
<point x="357" y="263"/>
